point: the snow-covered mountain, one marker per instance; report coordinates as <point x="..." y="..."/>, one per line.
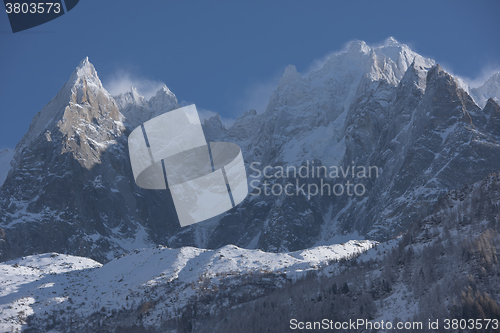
<point x="71" y="190"/>
<point x="116" y="257"/>
<point x="136" y="109"/>
<point x="382" y="106"/>
<point x="490" y="89"/>
<point x="445" y="266"/>
<point x="41" y="285"/>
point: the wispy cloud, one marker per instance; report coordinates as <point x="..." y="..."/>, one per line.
<point x="122" y="81"/>
<point x="319" y="63"/>
<point x="472" y="82"/>
<point x="256" y="95"/>
<point x="206" y="114"/>
<point x="483" y="76"/>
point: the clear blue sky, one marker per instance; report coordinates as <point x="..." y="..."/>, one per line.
<point x="216" y="53"/>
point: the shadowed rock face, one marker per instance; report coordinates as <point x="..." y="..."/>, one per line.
<point x="425" y="134"/>
<point x="71" y="188"/>
<point x="447" y="143"/>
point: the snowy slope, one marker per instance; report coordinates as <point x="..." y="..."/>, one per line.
<point x="21" y="280"/>
<point x="47" y="283"/>
<point x="6" y="156"/>
<point x="489" y="89"/>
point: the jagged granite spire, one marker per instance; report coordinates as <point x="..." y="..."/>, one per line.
<point x="82" y="98"/>
<point x="489" y="89"/>
<point x="71" y="188"/>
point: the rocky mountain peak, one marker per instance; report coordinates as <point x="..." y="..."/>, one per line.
<point x="250" y="113"/>
<point x="289" y="75"/>
<point x="132" y="97"/>
<point x="136" y="109"/>
<point x="392" y="59"/>
<point x="441" y="87"/>
<point x="489" y="89"/>
<point x="213" y="128"/>
<point x="85" y="74"/>
<point x="415" y="75"/>
<point x="384" y="106"/>
<point x="163" y="101"/>
<point x="83" y="88"/>
<point x="493" y="81"/>
<point x="135" y="94"/>
<point x="85" y="68"/>
<point x="492" y="104"/>
<point x="492" y="111"/>
<point x="435" y="73"/>
<point x="214" y="121"/>
<point x="358" y="46"/>
<point x="82" y="118"/>
<point x="391" y="41"/>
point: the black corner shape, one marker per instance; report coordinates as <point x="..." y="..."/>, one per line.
<point x="26" y="14"/>
<point x="70" y="4"/>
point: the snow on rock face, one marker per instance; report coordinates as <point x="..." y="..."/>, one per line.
<point x="383" y="106"/>
<point x="22" y="279"/>
<point x="82" y="84"/>
<point x="6" y="156"/>
<point x="131" y="97"/>
<point x="71" y="178"/>
<point x="490" y="89"/>
<point x="163" y="101"/>
<point x="50" y="282"/>
<point x="323" y="98"/>
<point x="86" y="71"/>
<point x="136" y="109"/>
<point x="82" y="115"/>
